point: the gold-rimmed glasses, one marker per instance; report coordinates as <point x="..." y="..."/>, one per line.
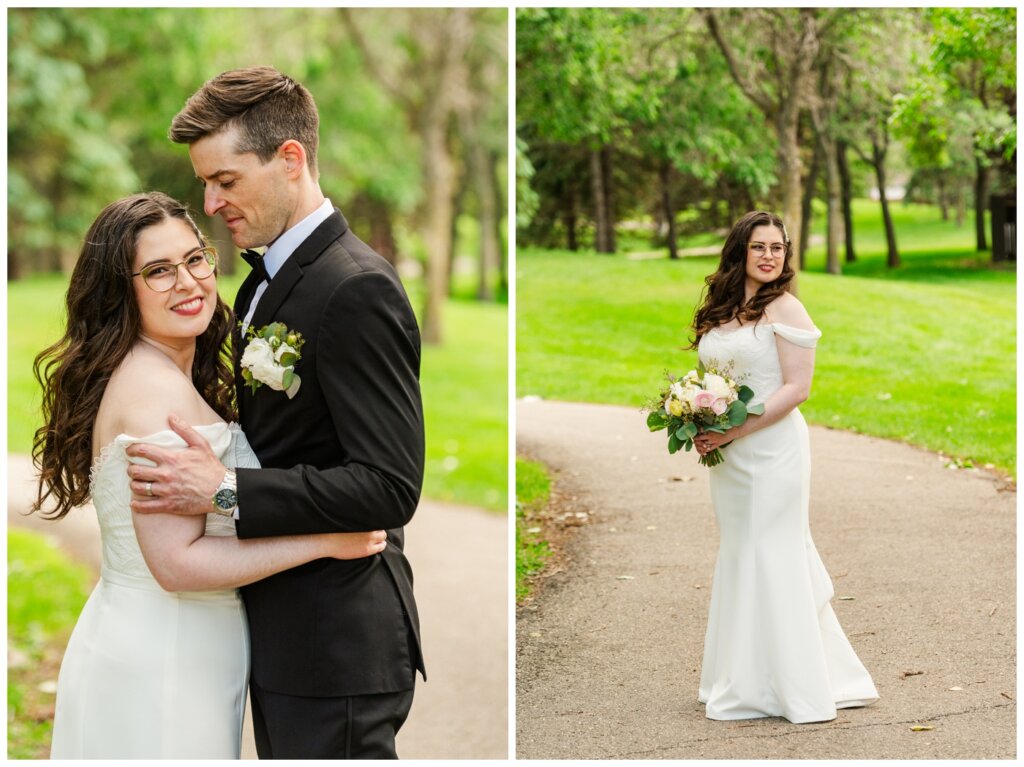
<point x="163" y="276"/>
<point x="778" y="250"/>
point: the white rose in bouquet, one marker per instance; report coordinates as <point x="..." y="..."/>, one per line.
<point x="719" y="387"/>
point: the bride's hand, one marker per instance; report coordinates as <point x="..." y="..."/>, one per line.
<point x="707" y="441"/>
<point x="354" y="545"/>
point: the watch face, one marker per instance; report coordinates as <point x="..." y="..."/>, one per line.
<point x="226" y="498"/>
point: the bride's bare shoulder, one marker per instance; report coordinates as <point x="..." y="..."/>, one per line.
<point x="144" y="390"/>
<point x="788" y="310"/>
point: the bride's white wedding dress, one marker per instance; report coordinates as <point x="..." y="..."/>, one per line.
<point x="149" y="673"/>
<point x="773" y="644"/>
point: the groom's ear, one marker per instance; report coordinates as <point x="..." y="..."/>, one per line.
<point x="294" y="156"/>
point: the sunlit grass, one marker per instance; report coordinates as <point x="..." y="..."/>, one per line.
<point x="533" y="487"/>
<point x="464" y="385"/>
<point x="923" y="354"/>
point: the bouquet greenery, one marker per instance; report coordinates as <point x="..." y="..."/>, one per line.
<point x="703" y="400"/>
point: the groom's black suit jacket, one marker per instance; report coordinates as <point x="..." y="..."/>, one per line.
<point x="346" y="454"/>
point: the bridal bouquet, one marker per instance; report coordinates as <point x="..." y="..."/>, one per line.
<point x="705" y="399"/>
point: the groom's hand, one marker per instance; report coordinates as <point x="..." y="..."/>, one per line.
<point x="182" y="482"/>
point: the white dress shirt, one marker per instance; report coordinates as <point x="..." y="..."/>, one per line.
<point x="283" y="247"/>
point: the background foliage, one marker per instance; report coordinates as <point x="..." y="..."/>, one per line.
<point x="669" y="122"/>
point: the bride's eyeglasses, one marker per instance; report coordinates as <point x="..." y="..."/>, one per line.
<point x="759" y="249"/>
<point x="163" y="276"/>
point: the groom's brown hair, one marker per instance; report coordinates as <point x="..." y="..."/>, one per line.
<point x="268" y="107"/>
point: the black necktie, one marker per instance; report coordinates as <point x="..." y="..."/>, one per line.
<point x="255" y="260"/>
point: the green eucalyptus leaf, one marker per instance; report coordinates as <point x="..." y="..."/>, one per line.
<point x="757" y="409"/>
<point x="745" y="394"/>
<point x="288" y="378"/>
<point x="656" y="421"/>
<point x="737" y="413"/>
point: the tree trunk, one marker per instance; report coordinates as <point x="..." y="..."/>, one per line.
<point x="667" y="211"/>
<point x="878" y="162"/>
<point x="220" y="237"/>
<point x="789" y="176"/>
<point x="806" y="207"/>
<point x="13" y="265"/>
<point x="846" y="188"/>
<point x="960" y="201"/>
<point x="569" y="217"/>
<point x="458" y="203"/>
<point x="980" y="203"/>
<point x="439" y="178"/>
<point x="499" y="196"/>
<point x="943" y="197"/>
<point x="382" y="232"/>
<point x="834" y="214"/>
<point x="600" y="209"/>
<point x="609" y="196"/>
<point x="489" y="244"/>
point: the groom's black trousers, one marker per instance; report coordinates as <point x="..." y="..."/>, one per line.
<point x="354" y="727"/>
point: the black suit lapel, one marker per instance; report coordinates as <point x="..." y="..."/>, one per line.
<point x="333" y="227"/>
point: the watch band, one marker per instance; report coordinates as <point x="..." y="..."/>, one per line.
<point x="225" y="499"/>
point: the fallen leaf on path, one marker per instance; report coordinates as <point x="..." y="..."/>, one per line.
<point x="921" y="728"/>
<point x="846" y="599"/>
<point x="1006" y="695"/>
<point x="905" y="674"/>
<point x="682" y="479"/>
<point x="624" y="578"/>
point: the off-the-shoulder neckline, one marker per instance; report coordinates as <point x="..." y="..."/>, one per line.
<point x="765" y="324"/>
<point x="107" y="449"/>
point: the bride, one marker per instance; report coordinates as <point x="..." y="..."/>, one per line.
<point x="773" y="645"/>
<point x="158" y="662"/>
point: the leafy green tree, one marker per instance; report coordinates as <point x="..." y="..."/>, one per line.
<point x="62" y="166"/>
<point x="574" y="88"/>
<point x="958" y="114"/>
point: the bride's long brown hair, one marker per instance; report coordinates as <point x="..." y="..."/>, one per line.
<point x="725" y="288"/>
<point x="103" y="324"/>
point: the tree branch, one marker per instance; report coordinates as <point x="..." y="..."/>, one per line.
<point x="372" y="65"/>
<point x="762" y="101"/>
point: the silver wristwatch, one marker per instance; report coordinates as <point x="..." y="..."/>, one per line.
<point x="225" y="500"/>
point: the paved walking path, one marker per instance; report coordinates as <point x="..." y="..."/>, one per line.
<point x="923" y="562"/>
<point x="459" y="557"/>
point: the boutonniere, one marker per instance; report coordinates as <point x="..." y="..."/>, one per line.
<point x="270" y="357"/>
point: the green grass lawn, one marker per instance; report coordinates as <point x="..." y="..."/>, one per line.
<point x="924" y="354"/>
<point x="532" y="490"/>
<point x="464" y="386"/>
<point x="45" y="593"/>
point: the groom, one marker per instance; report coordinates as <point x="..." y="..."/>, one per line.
<point x="335" y="644"/>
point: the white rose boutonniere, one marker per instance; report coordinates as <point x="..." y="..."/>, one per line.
<point x="270" y="357"/>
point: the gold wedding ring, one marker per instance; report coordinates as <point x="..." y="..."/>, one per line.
<point x="149" y="489"/>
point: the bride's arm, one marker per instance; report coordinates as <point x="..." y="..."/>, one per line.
<point x="174" y="547"/>
<point x="181" y="558"/>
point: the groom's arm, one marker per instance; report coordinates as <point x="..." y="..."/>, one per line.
<point x="368" y="359"/>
